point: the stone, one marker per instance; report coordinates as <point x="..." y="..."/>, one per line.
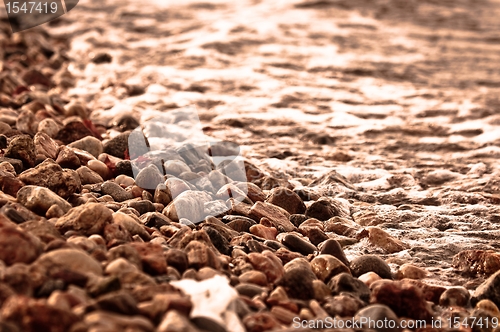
<point x="455" y="296"/>
<point x="48" y="174"/>
<point x="125" y="251"/>
<point x="89" y="144"/>
<point x="117" y="145"/>
<point x="176" y="321"/>
<point x="267" y="263"/>
<point x="367" y="263"/>
<point x="369" y="278"/>
<point x="326" y="208"/>
<point x="142" y="206"/>
<point x="200" y="255"/>
<point x="298" y="279"/>
<point x="382" y="239"/>
<point x="176" y="186"/>
<point x="176" y="167"/>
<point x="149" y="177"/>
<point x="67" y="158"/>
<point x="477" y="261"/>
<point x="277" y="216"/>
<point x="378" y="313"/>
<point x="132" y="225"/>
<point x="162" y="195"/>
<point x="107" y="321"/>
<point x="86" y="219"/>
<point x="73" y="131"/>
<point x="114" y="190"/>
<point x="190" y="205"/>
<point x="71" y="259"/>
<point x="295" y="243"/>
<point x="18" y="246"/>
<point x="22" y="147"/>
<point x="220" y="241"/>
<point x="253" y="277"/>
<point x="286" y="199"/>
<point x="241" y="224"/>
<point x="327" y="266"/>
<point x="26" y="122"/>
<point x="344" y="282"/>
<point x="177" y="259"/>
<point x="333" y="247"/>
<point x="100" y="168"/>
<point x="39" y="199"/>
<point x="405" y="299"/>
<point x="88" y="176"/>
<point x="10" y="185"/>
<point x="431" y="293"/>
<point x="268" y="233"/>
<point x="488" y="290"/>
<point x="261" y="321"/>
<point x="49" y="127"/>
<point x="45" y="146"/>
<point x="15" y="163"/>
<point x="488" y="306"/>
<point x="250" y="290"/>
<point x="43" y="229"/>
<point x="344" y="305"/>
<point x="120" y="302"/>
<point x="411" y="271"/>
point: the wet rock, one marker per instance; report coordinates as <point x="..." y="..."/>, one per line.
<point x="332" y="247"/>
<point x="455" y="296"/>
<point x="344" y="305"/>
<point x="73" y="131"/>
<point x="39" y="199"/>
<point x="67" y="158"/>
<point x="89" y="144"/>
<point x="277" y="216"/>
<point x="488" y="290"/>
<point x="286" y="199"/>
<point x="117" y="145"/>
<point x="149" y="178"/>
<point x="477" y="261"/>
<point x="405" y="299"/>
<point x="344" y="282"/>
<point x="297" y="244"/>
<point x="88" y="176"/>
<point x="325" y="208"/>
<point x="327" y="266"/>
<point x="378" y="313"/>
<point x="22" y="147"/>
<point x="267" y="263"/>
<point x="45" y="146"/>
<point x="367" y="263"/>
<point x="383" y="240"/>
<point x="71" y="259"/>
<point x="86" y="219"/>
<point x="114" y="190"/>
<point x="411" y="272"/>
<point x="17" y="246"/>
<point x="50" y="175"/>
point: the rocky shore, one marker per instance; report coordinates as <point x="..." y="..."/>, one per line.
<point x="370" y="190"/>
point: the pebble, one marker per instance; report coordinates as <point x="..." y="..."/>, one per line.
<point x="108" y="321"/>
<point x="67" y="158"/>
<point x="367" y="263"/>
<point x="369" y="278"/>
<point x="298" y="279"/>
<point x="49" y="127"/>
<point x="88" y="176"/>
<point x="344" y="282"/>
<point x="124" y="180"/>
<point x="149" y="178"/>
<point x="253" y="277"/>
<point x="40" y="199"/>
<point x="43" y="229"/>
<point x="142" y="206"/>
<point x="261" y="321"/>
<point x="411" y="271"/>
<point x="45" y="146"/>
<point x="176" y="167"/>
<point x="117" y="145"/>
<point x="333" y="247"/>
<point x="100" y="168"/>
<point x="326" y="208"/>
<point x="87" y="219"/>
<point x="175" y="321"/>
<point x="269" y="264"/>
<point x="277" y="216"/>
<point x="72" y="259"/>
<point x="488" y="306"/>
<point x="327" y="266"/>
<point x="15" y="163"/>
<point x="455" y="296"/>
<point x="133" y="226"/>
<point x="124" y="167"/>
<point x="73" y="131"/>
<point x="268" y="233"/>
<point x="190" y="205"/>
<point x="250" y="290"/>
<point x="4" y="127"/>
<point x="22" y="147"/>
<point x="286" y="199"/>
<point x="27" y="123"/>
<point x="241" y="224"/>
<point x="200" y="255"/>
<point x="344" y="305"/>
<point x="18" y="246"/>
<point x="90" y="144"/>
<point x="295" y="243"/>
<point x="382" y="239"/>
<point x="488" y="290"/>
<point x="48" y="174"/>
<point x="114" y="190"/>
<point x="477" y="261"/>
<point x="378" y="313"/>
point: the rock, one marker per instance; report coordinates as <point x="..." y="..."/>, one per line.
<point x="17" y="246"/>
<point x="22" y="147"/>
<point x="43" y="229"/>
<point x="411" y="272"/>
<point x="10" y="185"/>
<point x="103" y="320"/>
<point x="50" y="175"/>
<point x="39" y="199"/>
<point x="286" y="199"/>
<point x="378" y="313"/>
<point x="67" y="158"/>
<point x="297" y="244"/>
<point x="3" y="141"/>
<point x="176" y="167"/>
<point x="89" y="144"/>
<point x="488" y="306"/>
<point x="27" y="123"/>
<point x="125" y="251"/>
<point x="15" y="163"/>
<point x="326" y="208"/>
<point x="268" y="233"/>
<point x="162" y="195"/>
<point x="333" y="247"/>
<point x="253" y="277"/>
<point x="327" y="266"/>
<point x="175" y="321"/>
<point x="344" y="282"/>
<point x="88" y="176"/>
<point x="369" y="278"/>
<point x="455" y="296"/>
<point x="71" y="259"/>
<point x="125" y="181"/>
<point x="277" y="216"/>
<point x="298" y="279"/>
<point x="200" y="255"/>
<point x="117" y="145"/>
<point x="240" y="224"/>
<point x="100" y="168"/>
<point x="431" y="293"/>
<point x="367" y="263"/>
<point x="149" y="178"/>
<point x="114" y="190"/>
<point x="344" y="305"/>
<point x="86" y="219"/>
<point x="383" y="240"/>
<point x="176" y="186"/>
<point x="220" y="241"/>
<point x="249" y="290"/>
<point x="488" y="290"/>
<point x="261" y="321"/>
<point x="267" y="263"/>
<point x="73" y="131"/>
<point x="190" y="205"/>
<point x="119" y="302"/>
<point x="101" y="57"/>
<point x="142" y="206"/>
<point x="45" y="146"/>
<point x="133" y="226"/>
<point x="49" y="127"/>
<point x="477" y="261"/>
<point x="405" y="299"/>
<point x="177" y="259"/>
